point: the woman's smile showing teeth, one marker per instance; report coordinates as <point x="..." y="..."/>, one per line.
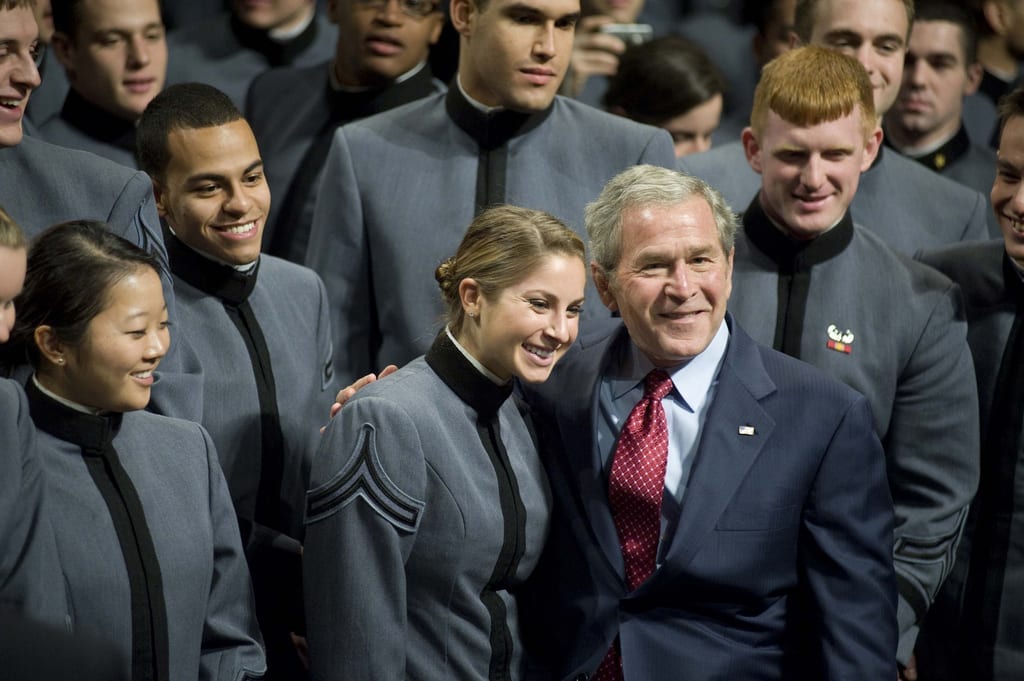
<point x="543" y="353"/>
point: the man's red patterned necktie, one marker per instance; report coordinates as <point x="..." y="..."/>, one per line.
<point x="635" y="488"/>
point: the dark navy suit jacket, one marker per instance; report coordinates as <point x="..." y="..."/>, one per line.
<point x="780" y="566"/>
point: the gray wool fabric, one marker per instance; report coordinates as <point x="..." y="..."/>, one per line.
<point x="210" y="52"/>
<point x="895" y="331"/>
<point x="290" y="305"/>
<point x="212" y="630"/>
<point x="26" y="547"/>
<point x="408" y="516"/>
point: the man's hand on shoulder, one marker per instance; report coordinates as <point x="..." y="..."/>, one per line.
<point x="346" y="393"/>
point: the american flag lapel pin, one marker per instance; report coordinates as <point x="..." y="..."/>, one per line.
<point x="747" y="430"/>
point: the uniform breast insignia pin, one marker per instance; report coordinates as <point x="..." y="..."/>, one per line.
<point x="840" y="341"/>
<point x="746" y="430"/>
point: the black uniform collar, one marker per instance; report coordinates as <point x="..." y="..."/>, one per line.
<point x="490" y="130"/>
<point x="462" y="377"/>
<point x="793" y="254"/>
<point x="212" y="278"/>
<point x="97" y="123"/>
<point x="92" y="432"/>
<point x="1012" y="280"/>
<point x="937" y="160"/>
<point x="349" y="106"/>
<point x="277" y="53"/>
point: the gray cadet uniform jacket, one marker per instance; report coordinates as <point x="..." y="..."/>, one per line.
<point x="148" y="542"/>
<point x="294" y="113"/>
<point x="25" y="545"/>
<point x="264" y="343"/>
<point x="428" y="508"/>
<point x="228" y="55"/>
<point x="976" y="627"/>
<point x="82" y="125"/>
<point x="910" y="207"/>
<point x="400" y="188"/>
<point x="42" y="184"/>
<point x="895" y="331"/>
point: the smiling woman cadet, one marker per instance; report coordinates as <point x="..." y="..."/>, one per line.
<point x="146" y="535"/>
<point x="429" y="502"/>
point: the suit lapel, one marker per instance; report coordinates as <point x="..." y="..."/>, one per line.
<point x="725" y="454"/>
<point x="577" y="421"/>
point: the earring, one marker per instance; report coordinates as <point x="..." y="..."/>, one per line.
<point x="472" y="315"/>
<point x="60" y="360"/>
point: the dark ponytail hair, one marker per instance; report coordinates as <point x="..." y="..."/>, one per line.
<point x="71" y="268"/>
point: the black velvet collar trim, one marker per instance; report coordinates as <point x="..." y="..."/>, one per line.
<point x="949" y="152"/>
<point x="212" y="278"/>
<point x="462" y="377"/>
<point x="792" y="254"/>
<point x="277" y="53"/>
<point x="350" y="106"/>
<point x="97" y="123"/>
<point x="490" y="130"/>
<point x="1012" y="281"/>
<point x="93" y="433"/>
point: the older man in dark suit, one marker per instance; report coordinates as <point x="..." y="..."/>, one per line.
<point x="744" y="528"/>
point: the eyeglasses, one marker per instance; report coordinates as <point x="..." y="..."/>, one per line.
<point x="413" y="8"/>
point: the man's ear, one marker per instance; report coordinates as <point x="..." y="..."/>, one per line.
<point x="871" y="147"/>
<point x="462" y="13"/>
<point x="975" y="72"/>
<point x="603" y="285"/>
<point x="160" y="197"/>
<point x="994" y="12"/>
<point x="751" y="148"/>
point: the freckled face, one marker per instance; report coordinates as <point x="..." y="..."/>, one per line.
<point x="809" y="174"/>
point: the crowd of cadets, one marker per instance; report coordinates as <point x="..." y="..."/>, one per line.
<point x="383" y="126"/>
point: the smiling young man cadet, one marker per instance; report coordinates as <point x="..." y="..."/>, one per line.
<point x="259" y="326"/>
<point x="812" y="282"/>
<point x="114" y="53"/>
<point x="397" y="187"/>
<point x="908" y="206"/>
